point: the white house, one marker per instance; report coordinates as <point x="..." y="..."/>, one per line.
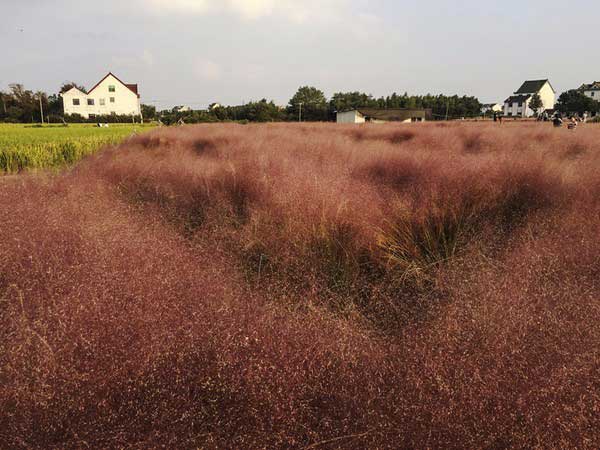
<point x="491" y="108"/>
<point x="518" y="104"/>
<point x="591" y="90"/>
<point x="109" y="96"/>
<point x="381" y="115"/>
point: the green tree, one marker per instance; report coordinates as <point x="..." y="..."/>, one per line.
<point x="68" y="85"/>
<point x="55" y="105"/>
<point x="22" y="104"/>
<point x="344" y="101"/>
<point x="309" y="104"/>
<point x="148" y="111"/>
<point x="575" y="101"/>
<point x="535" y="104"/>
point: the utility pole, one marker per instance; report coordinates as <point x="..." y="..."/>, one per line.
<point x="447" y="108"/>
<point x="300" y="112"/>
<point x="41" y="109"/>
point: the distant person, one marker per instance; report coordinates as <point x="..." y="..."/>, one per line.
<point x="500" y="118"/>
<point x="495" y="117"/>
<point x="558" y="122"/>
<point x="572" y="123"/>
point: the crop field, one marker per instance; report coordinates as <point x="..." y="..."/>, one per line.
<point x="34" y="147"/>
<point x="433" y="286"/>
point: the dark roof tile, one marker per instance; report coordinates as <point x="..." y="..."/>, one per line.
<point x="532" y="86"/>
<point x="517" y="98"/>
<point x="595" y="86"/>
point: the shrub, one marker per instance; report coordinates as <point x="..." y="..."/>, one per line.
<point x="305" y="286"/>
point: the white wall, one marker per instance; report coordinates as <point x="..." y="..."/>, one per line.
<point x="350" y="117"/>
<point x="125" y="101"/>
<point x="548" y="97"/>
<point x="74" y="94"/>
<point x="514" y="110"/>
<point x="593" y="95"/>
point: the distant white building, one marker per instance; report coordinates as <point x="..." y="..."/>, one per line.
<point x="109" y="96"/>
<point x="517" y="105"/>
<point x="491" y="108"/>
<point x="591" y="90"/>
<point x="381" y="115"/>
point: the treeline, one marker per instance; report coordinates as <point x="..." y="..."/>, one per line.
<point x="442" y="106"/>
<point x="261" y="111"/>
<point x="576" y="102"/>
<point x="307" y="104"/>
<point x="20" y="105"/>
<point x="310" y="104"/>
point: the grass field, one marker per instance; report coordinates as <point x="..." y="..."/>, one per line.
<point x="33" y="147"/>
<point x="434" y="286"/>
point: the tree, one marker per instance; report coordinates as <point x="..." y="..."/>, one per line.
<point x="3" y="102"/>
<point x="344" y="101"/>
<point x="42" y="100"/>
<point x="535" y="104"/>
<point x="148" y="111"/>
<point x="575" y="101"/>
<point x="55" y="105"/>
<point x="262" y="111"/>
<point x="22" y="104"/>
<point x="68" y="85"/>
<point x="309" y="104"/>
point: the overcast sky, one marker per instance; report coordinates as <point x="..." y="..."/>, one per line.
<point x="195" y="52"/>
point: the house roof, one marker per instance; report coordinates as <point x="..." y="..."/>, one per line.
<point x="517" y="98"/>
<point x="132" y="87"/>
<point x="397" y="114"/>
<point x="76" y="88"/>
<point x="533" y="86"/>
<point x="595" y="86"/>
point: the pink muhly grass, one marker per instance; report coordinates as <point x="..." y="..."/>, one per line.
<point x="289" y="286"/>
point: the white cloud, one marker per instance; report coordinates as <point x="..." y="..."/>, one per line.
<point x="207" y="70"/>
<point x="298" y="11"/>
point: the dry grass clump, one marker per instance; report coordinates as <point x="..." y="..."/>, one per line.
<point x="306" y="286"/>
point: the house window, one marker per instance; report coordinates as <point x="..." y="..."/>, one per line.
<point x="102" y="102"/>
<point x="111" y="88"/>
<point x="112" y="99"/>
<point x="90" y="102"/>
<point x="520" y="104"/>
<point x="75" y="102"/>
<point x="592" y="93"/>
